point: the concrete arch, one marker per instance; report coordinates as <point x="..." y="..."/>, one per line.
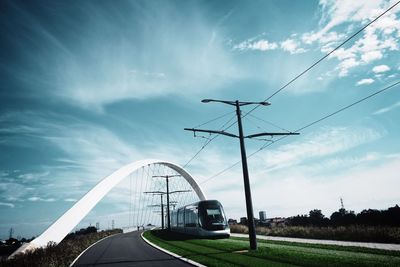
<point x="61" y="227"/>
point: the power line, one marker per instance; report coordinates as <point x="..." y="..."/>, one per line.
<point x="304" y="127"/>
<point x="292" y="80"/>
<point x="324" y="57"/>
<point x="268" y="122"/>
<point x="210" y="140"/>
<point x="215" y="119"/>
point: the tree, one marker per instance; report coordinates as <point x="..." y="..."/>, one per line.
<point x="317" y="218"/>
<point x="343" y="217"/>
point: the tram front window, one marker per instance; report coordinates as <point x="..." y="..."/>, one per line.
<point x="213" y="216"/>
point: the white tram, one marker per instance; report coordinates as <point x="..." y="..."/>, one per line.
<point x="204" y="218"/>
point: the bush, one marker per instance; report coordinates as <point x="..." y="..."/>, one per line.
<point x="57" y="255"/>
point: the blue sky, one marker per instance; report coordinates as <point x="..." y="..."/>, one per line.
<point x="88" y="86"/>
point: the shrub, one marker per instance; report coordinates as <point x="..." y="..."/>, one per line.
<point x="57" y="255"/>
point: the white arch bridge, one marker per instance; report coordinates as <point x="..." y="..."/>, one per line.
<point x="143" y="174"/>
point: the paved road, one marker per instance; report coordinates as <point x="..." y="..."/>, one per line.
<point x="126" y="250"/>
<point x="327" y="242"/>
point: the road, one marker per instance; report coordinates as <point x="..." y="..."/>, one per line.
<point x="126" y="250"/>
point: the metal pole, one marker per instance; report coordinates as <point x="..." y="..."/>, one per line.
<point x="247" y="191"/>
<point x="169" y="221"/>
<point x="162" y="212"/>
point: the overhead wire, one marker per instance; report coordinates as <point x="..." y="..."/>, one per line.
<point x="296" y="77"/>
<point x="305" y="127"/>
<point x="325" y="56"/>
<point x="210" y="140"/>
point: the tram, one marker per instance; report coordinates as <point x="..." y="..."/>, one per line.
<point x="204" y="218"/>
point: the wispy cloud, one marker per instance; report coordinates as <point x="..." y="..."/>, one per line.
<point x="35" y="199"/>
<point x="328" y="141"/>
<point x="387" y="109"/>
<point x="365" y="81"/>
<point x="130" y="64"/>
<point x="70" y="200"/>
<point x="10" y="205"/>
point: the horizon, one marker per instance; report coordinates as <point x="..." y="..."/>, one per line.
<point x="88" y="87"/>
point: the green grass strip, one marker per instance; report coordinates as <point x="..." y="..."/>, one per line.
<point x="224" y="252"/>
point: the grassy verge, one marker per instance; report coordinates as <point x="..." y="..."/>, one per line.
<point x="57" y="255"/>
<point x="233" y="252"/>
<point x="382" y="234"/>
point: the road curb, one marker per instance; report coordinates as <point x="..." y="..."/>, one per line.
<point x="90" y="247"/>
<point x="194" y="263"/>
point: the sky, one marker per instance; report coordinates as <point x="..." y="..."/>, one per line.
<point x="89" y="86"/>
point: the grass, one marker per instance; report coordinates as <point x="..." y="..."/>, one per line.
<point x="381" y="234"/>
<point x="57" y="255"/>
<point x="234" y="252"/>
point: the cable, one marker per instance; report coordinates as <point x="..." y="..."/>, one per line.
<point x="327" y="55"/>
<point x="304" y="127"/>
<point x="210" y="140"/>
<point x="270" y="123"/>
<point x="297" y="77"/>
<point x="212" y="120"/>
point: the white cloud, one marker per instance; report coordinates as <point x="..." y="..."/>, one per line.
<point x="325" y="142"/>
<point x="35" y="199"/>
<point x="380" y="68"/>
<point x="368" y="186"/>
<point x="292" y="46"/>
<point x="10" y="205"/>
<point x="375" y="41"/>
<point x="371" y="56"/>
<point x="365" y="81"/>
<point x="347" y="64"/>
<point x="261" y="45"/>
<point x="387" y="109"/>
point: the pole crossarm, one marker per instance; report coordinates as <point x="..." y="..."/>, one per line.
<point x="233" y="103"/>
<point x="211" y="131"/>
<point x="155" y="192"/>
<point x="179" y="191"/>
<point x="269" y="134"/>
<point x="166" y="176"/>
<point x="235" y="136"/>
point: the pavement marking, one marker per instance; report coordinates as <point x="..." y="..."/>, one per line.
<point x="394" y="247"/>
<point x="90" y="247"/>
<point x="194" y="263"/>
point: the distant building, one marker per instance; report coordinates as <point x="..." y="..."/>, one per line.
<point x="277" y="221"/>
<point x="232" y="221"/>
<point x="263" y="215"/>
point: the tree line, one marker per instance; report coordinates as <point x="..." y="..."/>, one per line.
<point x="343" y="217"/>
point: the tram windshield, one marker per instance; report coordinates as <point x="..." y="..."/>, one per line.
<point x="212" y="215"/>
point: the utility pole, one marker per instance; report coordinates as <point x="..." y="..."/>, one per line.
<point x="11" y="233"/>
<point x="161" y="193"/>
<point x="161" y="204"/>
<point x="166" y="177"/>
<point x="241" y="137"/>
